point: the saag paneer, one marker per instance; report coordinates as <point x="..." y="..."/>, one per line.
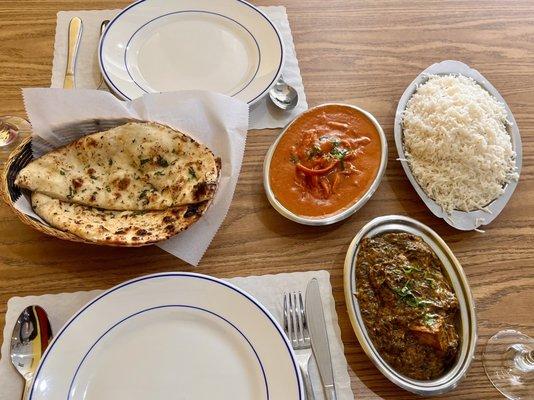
<point x="407" y="304"/>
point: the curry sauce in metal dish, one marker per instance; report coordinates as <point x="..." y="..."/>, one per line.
<point x="326" y="160"/>
<point x="408" y="305"/>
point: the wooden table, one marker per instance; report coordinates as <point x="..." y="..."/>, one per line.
<point x="360" y="52"/>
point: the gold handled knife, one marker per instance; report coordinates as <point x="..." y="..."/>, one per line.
<point x="75" y="34"/>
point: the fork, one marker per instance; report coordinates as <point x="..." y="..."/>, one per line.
<point x="296" y="328"/>
<point x="103" y="26"/>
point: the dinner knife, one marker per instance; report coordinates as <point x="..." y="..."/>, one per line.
<point x="319" y="338"/>
<point x="75" y="34"/>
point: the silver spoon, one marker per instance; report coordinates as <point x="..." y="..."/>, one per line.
<point x="29" y="340"/>
<point x="283" y="95"/>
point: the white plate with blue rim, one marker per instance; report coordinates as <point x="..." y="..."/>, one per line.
<point x="170" y="336"/>
<point x="224" y="46"/>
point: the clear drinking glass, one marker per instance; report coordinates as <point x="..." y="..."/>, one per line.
<point x="12" y="131"/>
<point x="509" y="363"/>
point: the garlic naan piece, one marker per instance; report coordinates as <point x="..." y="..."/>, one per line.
<point x="129" y="228"/>
<point x="136" y="166"/>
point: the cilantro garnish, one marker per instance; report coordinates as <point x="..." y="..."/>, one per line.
<point x="338" y="152"/>
<point x="408" y="269"/>
<point x="406" y="294"/>
<point x="142" y="196"/>
<point x="314" y="151"/>
<point x="192" y="173"/>
<point x="430" y="319"/>
<point x="162" y="162"/>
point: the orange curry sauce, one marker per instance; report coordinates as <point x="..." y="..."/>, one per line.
<point x="325" y="161"/>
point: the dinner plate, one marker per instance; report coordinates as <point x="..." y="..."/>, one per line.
<point x="170" y="336"/>
<point x="224" y="46"/>
<point x="462" y="220"/>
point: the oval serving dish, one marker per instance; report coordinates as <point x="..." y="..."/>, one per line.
<point x="454" y="272"/>
<point x="462" y="220"/>
<point x="344" y="212"/>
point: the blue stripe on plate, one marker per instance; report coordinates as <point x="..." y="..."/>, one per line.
<point x="157" y="308"/>
<point x="174" y="275"/>
<point x="108" y="80"/>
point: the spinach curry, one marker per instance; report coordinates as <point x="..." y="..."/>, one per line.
<point x="407" y="304"/>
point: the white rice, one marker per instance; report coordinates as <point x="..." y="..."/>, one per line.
<point x="456" y="143"/>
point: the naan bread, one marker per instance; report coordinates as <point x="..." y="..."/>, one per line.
<point x="136" y="166"/>
<point x="116" y="227"/>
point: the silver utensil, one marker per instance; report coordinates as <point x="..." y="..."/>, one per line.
<point x="103" y="27"/>
<point x="283" y="95"/>
<point x="295" y="326"/>
<point x="319" y="338"/>
<point x="29" y="340"/>
<point x="75" y="35"/>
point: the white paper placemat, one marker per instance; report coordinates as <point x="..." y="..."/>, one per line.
<point x="218" y="121"/>
<point x="262" y="115"/>
<point x="268" y="289"/>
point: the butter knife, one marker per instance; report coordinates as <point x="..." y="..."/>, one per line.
<point x="319" y="338"/>
<point x="75" y="34"/>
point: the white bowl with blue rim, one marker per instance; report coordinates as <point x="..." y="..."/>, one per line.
<point x="223" y="46"/>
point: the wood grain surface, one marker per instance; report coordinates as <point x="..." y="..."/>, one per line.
<point x="360" y="52"/>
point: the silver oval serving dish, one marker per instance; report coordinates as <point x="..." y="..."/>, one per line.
<point x="345" y="212"/>
<point x="455" y="273"/>
<point x="461" y="220"/>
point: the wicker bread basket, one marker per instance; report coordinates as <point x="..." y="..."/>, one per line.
<point x="22" y="155"/>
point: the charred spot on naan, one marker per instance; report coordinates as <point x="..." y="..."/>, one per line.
<point x="194" y="209"/>
<point x="91" y="172"/>
<point x="77" y="183"/>
<point x="202" y="189"/>
<point x="91" y="142"/>
<point x="122" y="184"/>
